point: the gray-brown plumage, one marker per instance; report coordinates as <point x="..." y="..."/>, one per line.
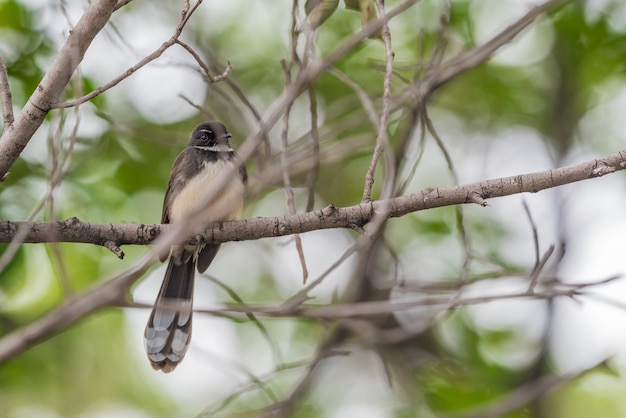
<point x="197" y="168"/>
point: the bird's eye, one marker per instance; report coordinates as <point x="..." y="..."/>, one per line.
<point x="204" y="137"/>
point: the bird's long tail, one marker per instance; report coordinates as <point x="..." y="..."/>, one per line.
<point x="168" y="331"/>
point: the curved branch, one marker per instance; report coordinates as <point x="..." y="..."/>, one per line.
<point x="74" y="230"/>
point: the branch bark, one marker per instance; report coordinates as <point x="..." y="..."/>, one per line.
<point x="74" y="230"/>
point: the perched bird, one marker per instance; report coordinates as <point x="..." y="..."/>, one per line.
<point x="206" y="159"/>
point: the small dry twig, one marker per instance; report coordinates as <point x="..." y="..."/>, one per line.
<point x="382" y="139"/>
<point x="5" y="96"/>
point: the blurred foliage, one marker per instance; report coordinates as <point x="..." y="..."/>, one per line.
<point x="118" y="174"/>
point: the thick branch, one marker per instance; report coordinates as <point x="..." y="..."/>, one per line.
<point x="74" y="230"/>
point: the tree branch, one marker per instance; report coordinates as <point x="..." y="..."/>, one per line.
<point x="74" y="230"/>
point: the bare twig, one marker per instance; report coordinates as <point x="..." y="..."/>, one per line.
<point x="262" y="329"/>
<point x="533" y="227"/>
<point x="207" y="73"/>
<point x="5" y="96"/>
<point x="382" y="139"/>
<point x="20" y="233"/>
<point x="325" y="349"/>
<point x="311" y="177"/>
<point x="366" y="102"/>
<point x="211" y="412"/>
<point x="536" y="273"/>
<point x="413" y="161"/>
<point x="60" y="161"/>
<point x="291" y="202"/>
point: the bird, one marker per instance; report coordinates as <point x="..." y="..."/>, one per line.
<point x="196" y="171"/>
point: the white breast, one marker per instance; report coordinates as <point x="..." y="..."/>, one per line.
<point x="225" y="206"/>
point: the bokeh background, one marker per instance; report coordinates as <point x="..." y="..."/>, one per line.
<point x="555" y="96"/>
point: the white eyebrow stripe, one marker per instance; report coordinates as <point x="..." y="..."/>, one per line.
<point x="206" y="130"/>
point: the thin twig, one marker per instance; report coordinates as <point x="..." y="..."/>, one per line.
<point x="382" y="139"/>
<point x="460" y="218"/>
<point x="291" y="201"/>
<point x="311" y="177"/>
<point x="14" y="245"/>
<point x="207" y="73"/>
<point x="309" y="54"/>
<point x="210" y="412"/>
<point x="536" y="273"/>
<point x="274" y="348"/>
<point x="5" y="96"/>
<point x="325" y="349"/>
<point x="413" y="162"/>
<point x="206" y="114"/>
<point x="60" y="164"/>
<point x="366" y="102"/>
<point x="303" y="295"/>
<point x="533" y="227"/>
